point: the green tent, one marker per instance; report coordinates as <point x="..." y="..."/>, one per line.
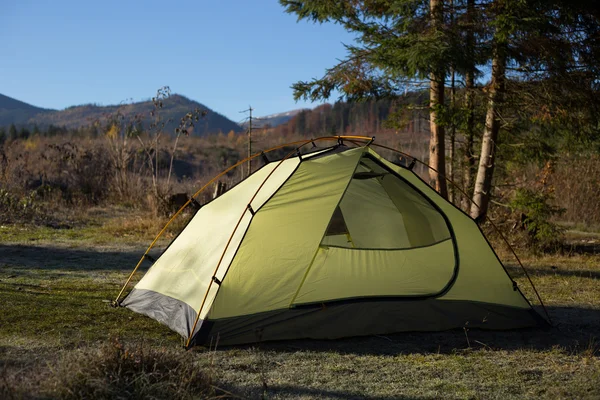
<point x="334" y="243"/>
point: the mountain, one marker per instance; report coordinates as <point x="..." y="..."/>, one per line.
<point x="174" y="108"/>
<point x="13" y="111"/>
<point x="274" y="119"/>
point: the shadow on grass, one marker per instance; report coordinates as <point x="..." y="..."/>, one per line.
<point x="575" y="330"/>
<point x="290" y="391"/>
<point x="591" y="247"/>
<point x="71" y="259"/>
<point x="552" y="270"/>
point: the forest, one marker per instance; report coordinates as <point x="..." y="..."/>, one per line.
<point x="510" y="84"/>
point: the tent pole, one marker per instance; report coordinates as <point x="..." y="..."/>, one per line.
<point x="303" y="142"/>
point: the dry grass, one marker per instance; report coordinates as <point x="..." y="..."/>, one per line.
<point x="97" y="226"/>
<point x="378" y="368"/>
<point x="57" y="333"/>
<point x="579" y="197"/>
<point x="113" y="371"/>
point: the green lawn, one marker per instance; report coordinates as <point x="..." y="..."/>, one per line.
<point x="55" y="291"/>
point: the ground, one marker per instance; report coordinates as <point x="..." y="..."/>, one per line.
<point x="56" y="286"/>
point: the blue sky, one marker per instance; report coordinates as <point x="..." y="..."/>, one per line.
<point x="226" y="54"/>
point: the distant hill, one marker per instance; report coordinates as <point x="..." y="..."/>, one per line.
<point x="13" y="111"/>
<point x="174" y="108"/>
<point x="275" y="119"/>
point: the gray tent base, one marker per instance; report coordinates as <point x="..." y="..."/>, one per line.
<point x="171" y="312"/>
<point x="359" y="317"/>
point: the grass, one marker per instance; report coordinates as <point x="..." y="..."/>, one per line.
<point x="98" y="226"/>
<point x="60" y="338"/>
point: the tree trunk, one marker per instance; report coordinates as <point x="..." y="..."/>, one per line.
<point x="437" y="157"/>
<point x="487" y="160"/>
<point x="452" y="150"/>
<point x="468" y="156"/>
<point x="451" y="155"/>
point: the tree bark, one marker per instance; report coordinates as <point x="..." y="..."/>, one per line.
<point x="452" y="151"/>
<point x="451" y="155"/>
<point x="437" y="157"/>
<point x="487" y="160"/>
<point x="468" y="156"/>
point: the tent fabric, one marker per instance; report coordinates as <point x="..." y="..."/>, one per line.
<point x="174" y="313"/>
<point x="177" y="273"/>
<point x="335" y="244"/>
<point x="347" y="319"/>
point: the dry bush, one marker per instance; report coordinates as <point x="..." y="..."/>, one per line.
<point x="114" y="371"/>
<point x="523" y="208"/>
<point x="15" y="208"/>
<point x="61" y="172"/>
<point x="42" y="176"/>
<point x="77" y="171"/>
<point x="82" y="173"/>
<point x="576" y="180"/>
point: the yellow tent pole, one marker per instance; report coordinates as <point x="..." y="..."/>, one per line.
<point x="304" y="143"/>
<point x="488" y="219"/>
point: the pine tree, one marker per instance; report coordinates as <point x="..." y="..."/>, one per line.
<point x="553" y="47"/>
<point x="24" y="133"/>
<point x="13" y="134"/>
<point x="399" y="42"/>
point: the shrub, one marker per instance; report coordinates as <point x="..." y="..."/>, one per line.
<point x="577" y="185"/>
<point x="15" y="208"/>
<point x="83" y="174"/>
<point x="115" y="371"/>
<point x="535" y="213"/>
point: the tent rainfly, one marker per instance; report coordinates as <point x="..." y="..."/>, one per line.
<point x="334" y="243"/>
